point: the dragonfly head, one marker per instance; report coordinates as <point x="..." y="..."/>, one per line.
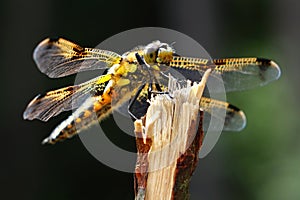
<point x="158" y="53"/>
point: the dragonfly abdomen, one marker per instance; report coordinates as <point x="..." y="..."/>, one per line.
<point x="82" y="118"/>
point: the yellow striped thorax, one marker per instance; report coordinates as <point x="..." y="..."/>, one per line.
<point x="156" y="55"/>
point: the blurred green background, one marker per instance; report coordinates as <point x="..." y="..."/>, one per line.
<point x="261" y="162"/>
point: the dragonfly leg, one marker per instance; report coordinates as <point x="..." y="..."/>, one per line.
<point x="141" y="60"/>
<point x="138" y="93"/>
<point x="133" y="100"/>
<point x="158" y="91"/>
<point x="150" y="90"/>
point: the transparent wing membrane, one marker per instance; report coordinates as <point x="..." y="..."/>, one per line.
<point x="235" y="119"/>
<point x="52" y="103"/>
<point x="245" y="73"/>
<point x="59" y="57"/>
<point x="236" y="73"/>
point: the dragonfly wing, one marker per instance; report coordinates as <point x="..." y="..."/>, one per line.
<point x="194" y="68"/>
<point x="43" y="107"/>
<point x="235" y="73"/>
<point x="245" y="73"/>
<point x="234" y="120"/>
<point x="188" y="66"/>
<point x="60" y="57"/>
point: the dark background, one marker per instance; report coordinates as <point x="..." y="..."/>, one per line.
<point x="261" y="162"/>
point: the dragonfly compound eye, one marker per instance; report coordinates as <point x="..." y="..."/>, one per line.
<point x="150" y="52"/>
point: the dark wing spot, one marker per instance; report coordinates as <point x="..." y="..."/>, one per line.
<point x="53" y="39"/>
<point x="231" y="111"/>
<point x="78" y="49"/>
<point x="71" y="88"/>
<point x="79" y="53"/>
<point x="265" y="63"/>
<point x="232" y="107"/>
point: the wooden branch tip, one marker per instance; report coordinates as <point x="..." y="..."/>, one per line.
<point x="168" y="141"/>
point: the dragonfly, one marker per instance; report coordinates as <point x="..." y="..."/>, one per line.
<point x="131" y="77"/>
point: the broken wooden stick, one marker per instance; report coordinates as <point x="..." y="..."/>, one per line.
<point x="168" y="141"/>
